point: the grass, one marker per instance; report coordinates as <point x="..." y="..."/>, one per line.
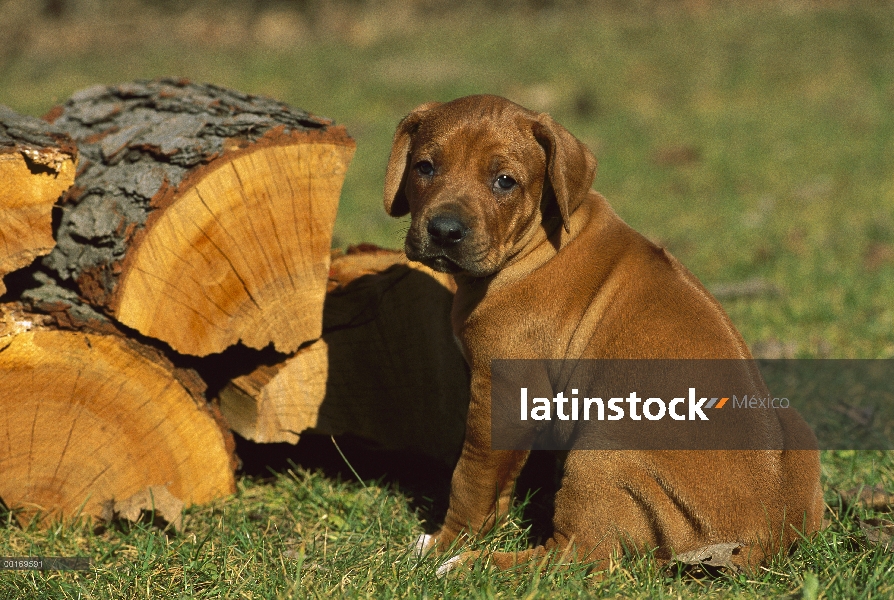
<point x="305" y="534"/>
<point x="754" y="141"/>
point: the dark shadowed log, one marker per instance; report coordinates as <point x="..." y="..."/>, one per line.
<point x="37" y="164"/>
<point x="386" y="369"/>
<point x="201" y="216"/>
<point x="90" y="417"/>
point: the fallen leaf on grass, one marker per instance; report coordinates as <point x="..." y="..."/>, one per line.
<point x="750" y="288"/>
<point x="859" y="415"/>
<point x="879" y="532"/>
<point x="877" y="256"/>
<point x="154" y="498"/>
<point x="872" y="498"/>
<point x="774" y="349"/>
<point x="670" y="156"/>
<point x="716" y="556"/>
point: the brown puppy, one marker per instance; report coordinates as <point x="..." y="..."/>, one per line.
<point x="500" y="197"/>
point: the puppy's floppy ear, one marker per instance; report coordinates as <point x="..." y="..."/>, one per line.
<point x="396" y="203"/>
<point x="570" y="166"/>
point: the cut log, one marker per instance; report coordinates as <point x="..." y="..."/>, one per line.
<point x="89" y="418"/>
<point x="201" y="216"/>
<point x="386" y="369"/>
<point x="37" y="164"/>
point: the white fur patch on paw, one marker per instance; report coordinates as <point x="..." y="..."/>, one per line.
<point x="448" y="566"/>
<point x="423" y="543"/>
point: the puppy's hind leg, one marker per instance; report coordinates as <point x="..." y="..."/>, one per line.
<point x="500" y="560"/>
<point x="554" y="554"/>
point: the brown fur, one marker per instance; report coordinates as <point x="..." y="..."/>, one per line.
<point x="546" y="269"/>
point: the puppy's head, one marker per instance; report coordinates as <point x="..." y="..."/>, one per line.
<point x="478" y="175"/>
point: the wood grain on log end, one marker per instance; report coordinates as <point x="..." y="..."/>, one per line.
<point x="89" y="418"/>
<point x="241" y="253"/>
<point x="202" y="217"/>
<point x="277" y="403"/>
<point x="37" y="164"/>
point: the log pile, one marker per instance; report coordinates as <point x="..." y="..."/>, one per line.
<point x="199" y="221"/>
<point x="37" y="164"/>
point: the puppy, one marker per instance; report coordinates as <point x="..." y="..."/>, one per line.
<point x="500" y="197"/>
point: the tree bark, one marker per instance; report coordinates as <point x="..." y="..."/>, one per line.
<point x="90" y="418"/>
<point x="37" y="164"/>
<point x="386" y="369"/>
<point x="201" y="216"/>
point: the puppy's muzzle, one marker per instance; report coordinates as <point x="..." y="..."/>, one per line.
<point x="446" y="230"/>
<point x="438" y="242"/>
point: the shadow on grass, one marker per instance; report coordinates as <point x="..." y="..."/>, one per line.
<point x="425" y="481"/>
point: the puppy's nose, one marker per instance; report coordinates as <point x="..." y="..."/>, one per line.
<point x="446" y="230"/>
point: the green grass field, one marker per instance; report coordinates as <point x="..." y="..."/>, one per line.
<point x="755" y="141"/>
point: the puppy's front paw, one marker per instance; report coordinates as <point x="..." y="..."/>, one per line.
<point x="440" y="541"/>
<point x="424" y="543"/>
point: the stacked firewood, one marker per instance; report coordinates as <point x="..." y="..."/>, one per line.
<point x="169" y="279"/>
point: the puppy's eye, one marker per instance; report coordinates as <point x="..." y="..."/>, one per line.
<point x="505" y="183"/>
<point x="425" y="168"/>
